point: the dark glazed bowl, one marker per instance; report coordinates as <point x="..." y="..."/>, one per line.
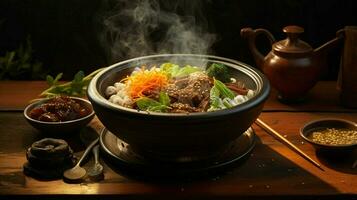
<point x="321" y="124"/>
<point x="168" y="135"/>
<point x="59" y="129"/>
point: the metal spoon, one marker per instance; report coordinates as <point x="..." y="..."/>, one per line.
<point x="77" y="173"/>
<point x="96" y="171"/>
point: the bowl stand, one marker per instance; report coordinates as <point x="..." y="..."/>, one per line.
<point x="123" y="158"/>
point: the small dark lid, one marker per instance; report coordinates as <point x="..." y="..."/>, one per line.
<point x="292" y="44"/>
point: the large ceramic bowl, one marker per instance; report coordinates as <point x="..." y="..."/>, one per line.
<point x="170" y="135"/>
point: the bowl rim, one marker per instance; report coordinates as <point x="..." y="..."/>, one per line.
<point x="94" y="95"/>
<point x="303" y="133"/>
<point x="43" y="100"/>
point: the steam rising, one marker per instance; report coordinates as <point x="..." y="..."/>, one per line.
<point x="141" y="27"/>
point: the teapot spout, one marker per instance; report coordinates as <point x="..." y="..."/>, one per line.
<point x="323" y="49"/>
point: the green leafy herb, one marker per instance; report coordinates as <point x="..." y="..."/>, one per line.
<point x="53" y="81"/>
<point x="176" y="71"/>
<point x="220" y="96"/>
<point x="187" y="70"/>
<point x="226" y="103"/>
<point x="76" y="87"/>
<point x="164" y="98"/>
<point x="215" y="100"/>
<point x="224" y="90"/>
<point x="148" y="104"/>
<point x="170" y="68"/>
<point x="219" y="72"/>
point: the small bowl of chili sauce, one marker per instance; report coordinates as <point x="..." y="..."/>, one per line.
<point x="331" y="134"/>
<point x="59" y="115"/>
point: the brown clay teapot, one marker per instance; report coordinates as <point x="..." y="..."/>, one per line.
<point x="292" y="66"/>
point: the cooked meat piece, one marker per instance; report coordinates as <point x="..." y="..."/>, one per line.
<point x="177" y="84"/>
<point x="172" y="90"/>
<point x="201" y="83"/>
<point x="204" y="105"/>
<point x="237" y="88"/>
<point x="191" y="90"/>
<point x="181" y="82"/>
<point x="182" y="108"/>
<point x="153" y="94"/>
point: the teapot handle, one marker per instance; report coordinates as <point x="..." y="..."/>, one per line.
<point x="250" y="35"/>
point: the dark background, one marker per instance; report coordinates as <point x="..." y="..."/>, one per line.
<point x="65" y="39"/>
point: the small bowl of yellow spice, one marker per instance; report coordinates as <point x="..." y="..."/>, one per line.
<point x="331" y="134"/>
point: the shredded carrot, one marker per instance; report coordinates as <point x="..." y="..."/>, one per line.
<point x="144" y="81"/>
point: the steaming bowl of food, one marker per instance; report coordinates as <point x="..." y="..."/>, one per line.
<point x="176" y="105"/>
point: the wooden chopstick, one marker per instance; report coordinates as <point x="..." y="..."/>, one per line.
<point x="275" y="134"/>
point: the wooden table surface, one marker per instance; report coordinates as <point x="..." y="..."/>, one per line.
<point x="272" y="171"/>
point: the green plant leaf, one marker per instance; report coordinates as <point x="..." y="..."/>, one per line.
<point x="186" y="70"/>
<point x="78" y="77"/>
<point x="214" y="98"/>
<point x="58" y="77"/>
<point x="49" y="80"/>
<point x="18" y="64"/>
<point x="219" y="71"/>
<point x="164" y="98"/>
<point x="25" y="66"/>
<point x="147" y="104"/>
<point x="176" y="71"/>
<point x="223" y="89"/>
<point x="76" y="87"/>
<point x="9" y="58"/>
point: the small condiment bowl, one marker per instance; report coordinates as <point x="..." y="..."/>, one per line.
<point x="59" y="128"/>
<point x="323" y="124"/>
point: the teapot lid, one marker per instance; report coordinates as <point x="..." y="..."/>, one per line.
<point x="292" y="45"/>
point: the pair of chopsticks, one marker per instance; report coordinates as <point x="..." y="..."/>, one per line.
<point x="275" y="134"/>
